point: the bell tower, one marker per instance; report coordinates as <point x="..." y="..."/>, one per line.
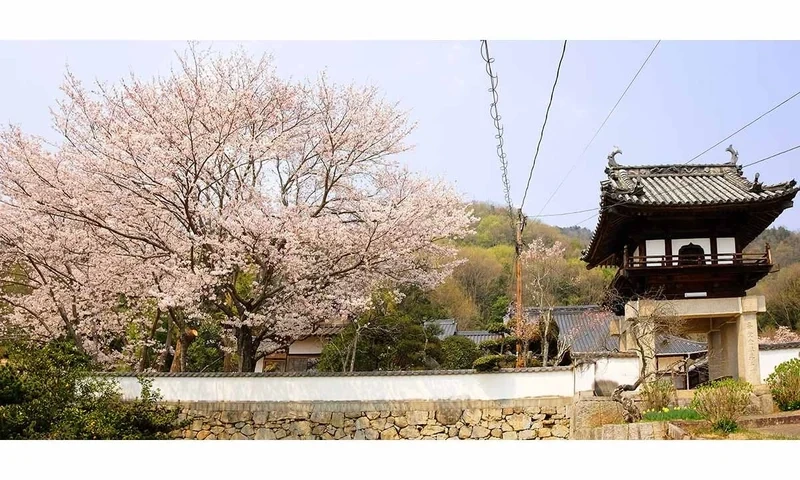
<point x="677" y="234"/>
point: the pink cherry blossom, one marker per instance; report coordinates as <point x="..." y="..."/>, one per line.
<point x="217" y="193"/>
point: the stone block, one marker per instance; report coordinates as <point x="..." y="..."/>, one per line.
<point x="519" y="421"/>
<point x="389" y="434"/>
<point x="202" y="434"/>
<point x="245" y="416"/>
<point x="401" y="422"/>
<point x="362" y="423"/>
<point x="431" y="430"/>
<point x="544" y="432"/>
<point x="352" y="414"/>
<point x="248" y="430"/>
<point x="448" y="416"/>
<point x="302" y="428"/>
<point x="228" y="416"/>
<point x="337" y="419"/>
<point x="479" y="432"/>
<point x="197" y="425"/>
<point x="560" y="431"/>
<point x="506" y="427"/>
<point x="378" y="424"/>
<point x="418" y="417"/>
<point x="321" y="417"/>
<point x="280" y="433"/>
<point x="526" y="435"/>
<point x="464" y="432"/>
<point x="373" y="415"/>
<point x="260" y="418"/>
<point x="372" y="434"/>
<point x="496" y="432"/>
<point x="509" y="435"/>
<point x="533" y="411"/>
<point x="493" y="414"/>
<point x="409" y="432"/>
<point x="265" y="434"/>
<point x="472" y="416"/>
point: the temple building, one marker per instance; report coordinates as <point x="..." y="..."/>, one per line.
<point x="677" y="235"/>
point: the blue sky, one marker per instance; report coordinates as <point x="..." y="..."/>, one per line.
<point x="689" y="96"/>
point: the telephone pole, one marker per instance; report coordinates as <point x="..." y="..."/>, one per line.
<point x="520" y="225"/>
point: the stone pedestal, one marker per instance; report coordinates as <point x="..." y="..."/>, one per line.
<point x="729" y="324"/>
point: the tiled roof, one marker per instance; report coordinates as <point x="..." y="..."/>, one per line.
<point x="678" y="186"/>
<point x="478" y="336"/>
<point x="447" y="325"/>
<point x="586" y="326"/>
<point x="314" y="373"/>
<point x="587" y="330"/>
<point x="681" y="185"/>
<point x="672" y="345"/>
<point x="778" y="346"/>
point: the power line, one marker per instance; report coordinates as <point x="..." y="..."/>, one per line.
<point x="772" y="156"/>
<point x="541" y="134"/>
<point x="599" y="129"/>
<point x="737" y="131"/>
<point x="498" y="126"/>
<point x="563" y="214"/>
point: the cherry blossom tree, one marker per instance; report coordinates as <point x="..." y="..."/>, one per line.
<point x="543" y="273"/>
<point x="219" y="192"/>
<point x="782" y="334"/>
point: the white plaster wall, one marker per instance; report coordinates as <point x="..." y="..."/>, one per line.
<point x="726" y="245"/>
<point x="654" y="247"/>
<point x="309" y="346"/>
<point x="769" y="359"/>
<point x="490" y="386"/>
<point x="620" y="370"/>
<point x="584" y="377"/>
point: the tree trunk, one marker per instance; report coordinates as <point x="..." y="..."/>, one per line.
<point x="631" y="412"/>
<point x="180" y="359"/>
<point x="145" y="363"/>
<point x="545" y="340"/>
<point x="246" y="349"/>
<point x="166" y="358"/>
<point x="355" y="350"/>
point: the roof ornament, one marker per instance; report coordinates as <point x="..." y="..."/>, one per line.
<point x="734" y="155"/>
<point x="611" y="161"/>
<point x="638" y="188"/>
<point x="757" y="187"/>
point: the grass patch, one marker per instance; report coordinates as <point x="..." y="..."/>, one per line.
<point x="670" y="414"/>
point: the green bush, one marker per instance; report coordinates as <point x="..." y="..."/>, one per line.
<point x="666" y="414"/>
<point x="784" y="383"/>
<point x="722" y="402"/>
<point x="658" y="395"/>
<point x="458" y="353"/>
<point x="488" y="363"/>
<point x="47" y="392"/>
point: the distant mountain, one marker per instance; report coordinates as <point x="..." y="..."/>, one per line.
<point x="582" y="234"/>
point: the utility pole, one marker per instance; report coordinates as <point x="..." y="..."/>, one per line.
<point x="520" y="225"/>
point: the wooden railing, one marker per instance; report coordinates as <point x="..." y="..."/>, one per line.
<point x="688" y="261"/>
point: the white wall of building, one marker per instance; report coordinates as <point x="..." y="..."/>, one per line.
<point x="309" y="346"/>
<point x="620" y="370"/>
<point x="769" y="359"/>
<point x="472" y="386"/>
<point x="654" y="247"/>
<point x="726" y="245"/>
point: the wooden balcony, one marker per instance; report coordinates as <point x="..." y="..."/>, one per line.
<point x="695" y="261"/>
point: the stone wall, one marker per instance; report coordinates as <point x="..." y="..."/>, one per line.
<point x="522" y="419"/>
